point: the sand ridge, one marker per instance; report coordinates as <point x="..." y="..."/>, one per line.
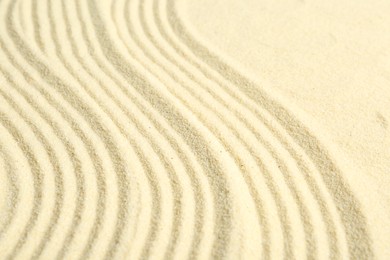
<point x="123" y="136"/>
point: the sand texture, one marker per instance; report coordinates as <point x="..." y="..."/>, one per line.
<point x="178" y="129"/>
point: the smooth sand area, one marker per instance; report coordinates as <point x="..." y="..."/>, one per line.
<point x="178" y="129"/>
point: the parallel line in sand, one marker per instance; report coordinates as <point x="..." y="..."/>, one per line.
<point x="13" y="187"/>
<point x="37" y="27"/>
<point x="145" y="164"/>
<point x="236" y="134"/>
<point x="193" y="250"/>
<point x="190" y="171"/>
<point x="326" y="215"/>
<point x="135" y="38"/>
<point x="308" y="230"/>
<point x="76" y="164"/>
<point x="66" y="93"/>
<point x="88" y="143"/>
<point x="37" y="179"/>
<point x="356" y="231"/>
<point x="194" y="140"/>
<point x="59" y="186"/>
<point x="159" y="102"/>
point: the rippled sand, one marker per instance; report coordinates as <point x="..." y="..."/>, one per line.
<point x="176" y="129"/>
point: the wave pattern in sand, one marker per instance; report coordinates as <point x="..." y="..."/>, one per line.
<point x="123" y="136"/>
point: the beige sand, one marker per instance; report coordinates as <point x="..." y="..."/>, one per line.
<point x="176" y="129"/>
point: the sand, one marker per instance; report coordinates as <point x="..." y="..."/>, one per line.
<point x="176" y="129"/>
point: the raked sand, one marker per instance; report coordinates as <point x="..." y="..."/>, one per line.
<point x="178" y="129"/>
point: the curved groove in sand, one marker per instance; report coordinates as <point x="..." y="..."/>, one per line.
<point x="13" y="190"/>
<point x="309" y="239"/>
<point x="351" y="215"/>
<point x="59" y="186"/>
<point x="157" y="147"/>
<point x="37" y="177"/>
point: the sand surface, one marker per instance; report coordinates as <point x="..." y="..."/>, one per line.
<point x="178" y="129"/>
